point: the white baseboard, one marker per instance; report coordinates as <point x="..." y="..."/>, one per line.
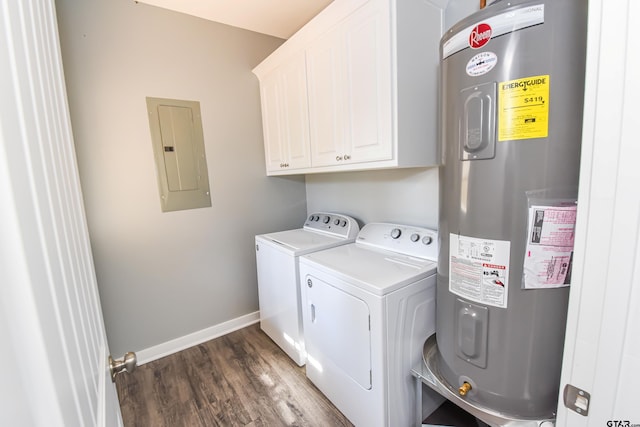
<point x="161" y="350"/>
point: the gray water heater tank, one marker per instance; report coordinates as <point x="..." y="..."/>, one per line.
<point x="512" y="97"/>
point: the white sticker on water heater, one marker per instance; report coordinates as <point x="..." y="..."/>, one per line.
<point x="549" y="255"/>
<point x="479" y="269"/>
<point x="481" y="64"/>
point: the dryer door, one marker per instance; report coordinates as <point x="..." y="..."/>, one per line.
<point x="337" y="332"/>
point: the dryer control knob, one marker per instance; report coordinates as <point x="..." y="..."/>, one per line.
<point x="415" y="237"/>
<point x="395" y="233"/>
<point x="311" y="218"/>
<point x="343" y="223"/>
<point x="326" y="220"/>
<point x="336" y="222"/>
<point x="427" y="240"/>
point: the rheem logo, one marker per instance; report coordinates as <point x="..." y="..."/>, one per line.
<point x="480" y="35"/>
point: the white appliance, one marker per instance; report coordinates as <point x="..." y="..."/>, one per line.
<point x="278" y="279"/>
<point x="368" y="308"/>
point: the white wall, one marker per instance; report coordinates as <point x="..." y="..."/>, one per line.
<point x="165" y="275"/>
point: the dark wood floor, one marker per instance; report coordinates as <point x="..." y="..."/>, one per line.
<point x="240" y="379"/>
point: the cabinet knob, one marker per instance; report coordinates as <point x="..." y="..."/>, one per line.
<point x="338" y="158"/>
<point x="347" y="157"/>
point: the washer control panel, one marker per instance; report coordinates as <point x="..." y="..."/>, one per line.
<point x="404" y="239"/>
<point x="333" y="223"/>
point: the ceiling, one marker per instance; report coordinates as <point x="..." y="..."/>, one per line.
<point x="278" y="18"/>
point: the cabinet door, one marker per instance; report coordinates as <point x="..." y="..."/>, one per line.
<point x="349" y="71"/>
<point x="285" y="116"/>
<point x="295" y="113"/>
<point x="274" y="145"/>
<point x="367" y="68"/>
<point x="326" y="94"/>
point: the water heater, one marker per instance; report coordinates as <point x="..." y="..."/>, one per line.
<point x="512" y="94"/>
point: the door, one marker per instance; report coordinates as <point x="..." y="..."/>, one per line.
<point x="295" y="112"/>
<point x="275" y="149"/>
<point x="602" y="350"/>
<point x="285" y="116"/>
<point x="50" y="317"/>
<point x="368" y="84"/>
<point x="326" y="94"/>
<point x="337" y="332"/>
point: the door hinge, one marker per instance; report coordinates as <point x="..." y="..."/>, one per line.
<point x="577" y="400"/>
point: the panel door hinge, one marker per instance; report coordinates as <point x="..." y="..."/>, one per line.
<point x="577" y="400"/>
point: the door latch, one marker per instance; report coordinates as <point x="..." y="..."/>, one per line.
<point x="577" y="400"/>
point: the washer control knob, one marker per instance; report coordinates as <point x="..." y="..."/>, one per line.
<point x="415" y="237"/>
<point x="311" y="218"/>
<point x="336" y="222"/>
<point x="427" y="240"/>
<point x="309" y="283"/>
<point x="395" y="233"/>
<point x="326" y="220"/>
<point x="343" y="223"/>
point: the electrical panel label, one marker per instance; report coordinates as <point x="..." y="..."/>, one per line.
<point x="523" y="108"/>
<point x="479" y="269"/>
<point x="549" y="252"/>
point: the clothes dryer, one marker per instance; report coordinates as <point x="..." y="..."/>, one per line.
<point x="368" y="307"/>
<point x="278" y="275"/>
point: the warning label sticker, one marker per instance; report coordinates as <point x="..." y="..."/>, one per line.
<point x="523" y="108"/>
<point x="547" y="262"/>
<point x="479" y="269"/>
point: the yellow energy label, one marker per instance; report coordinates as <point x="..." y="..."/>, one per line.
<point x="523" y="108"/>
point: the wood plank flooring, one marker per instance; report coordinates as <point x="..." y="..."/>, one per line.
<point x="240" y="379"/>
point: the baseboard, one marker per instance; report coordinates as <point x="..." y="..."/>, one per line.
<point x="165" y="349"/>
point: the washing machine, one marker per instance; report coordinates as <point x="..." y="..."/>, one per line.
<point x="277" y="257"/>
<point x="368" y="307"/>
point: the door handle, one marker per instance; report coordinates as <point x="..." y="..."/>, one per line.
<point x="128" y="363"/>
<point x="313" y="313"/>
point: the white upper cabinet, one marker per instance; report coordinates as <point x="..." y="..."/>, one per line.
<point x="285" y="118"/>
<point x="349" y="80"/>
<point x="370" y="101"/>
<point x="325" y="82"/>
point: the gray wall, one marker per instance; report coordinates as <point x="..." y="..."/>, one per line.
<point x="404" y="196"/>
<point x="165" y="275"/>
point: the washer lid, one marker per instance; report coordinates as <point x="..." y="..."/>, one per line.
<point x="377" y="271"/>
<point x="300" y="241"/>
